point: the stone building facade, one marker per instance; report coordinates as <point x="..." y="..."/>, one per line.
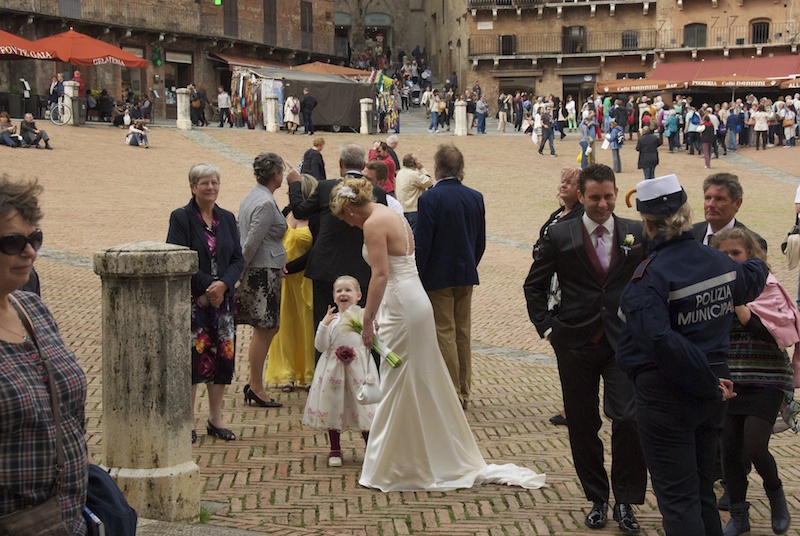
<point x="564" y="47"/>
<point x="184" y="41"/>
<point x="398" y="25"/>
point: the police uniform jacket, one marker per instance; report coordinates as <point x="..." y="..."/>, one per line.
<point x="678" y="310"/>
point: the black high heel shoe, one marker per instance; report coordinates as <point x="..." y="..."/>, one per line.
<point x="222" y="433"/>
<point x="250" y="396"/>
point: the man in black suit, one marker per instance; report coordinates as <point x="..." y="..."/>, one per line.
<point x="594" y="257"/>
<point x="722" y="198"/>
<point x="337" y="246"/>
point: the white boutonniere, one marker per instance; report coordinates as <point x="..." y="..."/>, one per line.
<point x="627" y="242"/>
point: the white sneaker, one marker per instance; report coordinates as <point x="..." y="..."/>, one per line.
<point x="430" y="130"/>
<point x="770" y="145"/>
<point x="335" y="461"/>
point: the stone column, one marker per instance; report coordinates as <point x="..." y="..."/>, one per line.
<point x="147" y="413"/>
<point x="271" y="113"/>
<point x="366" y="114"/>
<point x="71" y="90"/>
<point x="184" y="121"/>
<point x="461" y="118"/>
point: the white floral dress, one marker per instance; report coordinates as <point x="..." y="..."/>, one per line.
<point x="332" y="403"/>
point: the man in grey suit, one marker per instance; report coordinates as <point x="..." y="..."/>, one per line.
<point x="722" y="198"/>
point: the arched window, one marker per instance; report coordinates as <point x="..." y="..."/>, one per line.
<point x="759" y="32"/>
<point x="630" y="40"/>
<point x="694" y="35"/>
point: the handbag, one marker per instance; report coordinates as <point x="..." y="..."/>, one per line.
<point x="294" y="110"/>
<point x="106" y="501"/>
<point x="369" y="392"/>
<point x="788" y="123"/>
<point x="44" y="519"/>
<point x="196" y="103"/>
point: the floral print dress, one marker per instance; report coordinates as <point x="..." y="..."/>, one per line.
<point x="213" y="328"/>
<point x="332" y="403"/>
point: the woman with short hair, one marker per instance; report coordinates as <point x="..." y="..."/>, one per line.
<point x="33" y="355"/>
<point x="210" y="231"/>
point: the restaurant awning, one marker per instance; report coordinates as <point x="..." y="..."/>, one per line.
<point x="13" y="47"/>
<point x="329" y="68"/>
<point x="748" y="69"/>
<point x="734" y="82"/>
<point x="80" y="49"/>
<point x="244" y="61"/>
<point x="791" y="84"/>
<point x="641" y="85"/>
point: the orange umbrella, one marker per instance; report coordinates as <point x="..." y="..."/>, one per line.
<point x="17" y="48"/>
<point x="79" y="49"/>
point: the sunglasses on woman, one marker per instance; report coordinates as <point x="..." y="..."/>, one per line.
<point x="15" y="243"/>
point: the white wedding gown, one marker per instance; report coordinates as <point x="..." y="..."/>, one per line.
<point x="420" y="439"/>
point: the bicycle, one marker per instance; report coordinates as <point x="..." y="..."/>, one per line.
<point x="60" y="113"/>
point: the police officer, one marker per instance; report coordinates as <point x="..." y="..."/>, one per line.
<point x="678" y="309"/>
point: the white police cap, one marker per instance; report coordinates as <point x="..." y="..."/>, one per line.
<point x="662" y="195"/>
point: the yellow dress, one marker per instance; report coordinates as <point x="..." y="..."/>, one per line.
<point x="291" y="354"/>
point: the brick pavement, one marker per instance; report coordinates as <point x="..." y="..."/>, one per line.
<point x="274" y="479"/>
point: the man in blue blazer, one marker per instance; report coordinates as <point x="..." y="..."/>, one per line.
<point x="450" y="240"/>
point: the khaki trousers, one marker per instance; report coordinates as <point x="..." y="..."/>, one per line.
<point x="452" y="310"/>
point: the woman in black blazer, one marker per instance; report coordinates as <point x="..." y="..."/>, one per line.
<point x="212" y="233"/>
<point x="569" y="208"/>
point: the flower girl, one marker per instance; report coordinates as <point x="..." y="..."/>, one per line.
<point x="340" y="371"/>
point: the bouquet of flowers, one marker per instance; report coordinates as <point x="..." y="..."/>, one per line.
<point x="353" y="320"/>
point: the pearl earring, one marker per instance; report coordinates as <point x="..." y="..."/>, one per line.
<point x="351" y="213"/>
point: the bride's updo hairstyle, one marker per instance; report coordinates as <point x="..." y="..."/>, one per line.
<point x="350" y="191"/>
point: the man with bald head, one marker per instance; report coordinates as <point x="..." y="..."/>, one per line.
<point x="337" y="245"/>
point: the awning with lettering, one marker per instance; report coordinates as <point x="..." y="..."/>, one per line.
<point x="740" y="69"/>
<point x="641" y="85"/>
<point x="79" y="49"/>
<point x="13" y="47"/>
<point x="734" y="82"/>
<point x="791" y="84"/>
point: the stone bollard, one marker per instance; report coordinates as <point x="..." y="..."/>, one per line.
<point x="71" y="90"/>
<point x="271" y="113"/>
<point x="366" y="115"/>
<point x="461" y="118"/>
<point x="184" y="121"/>
<point x="147" y="413"/>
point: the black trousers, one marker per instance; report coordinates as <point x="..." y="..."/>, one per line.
<point x="679" y="435"/>
<point x="308" y="123"/>
<point x="580" y="368"/>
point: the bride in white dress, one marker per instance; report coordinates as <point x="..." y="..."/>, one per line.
<point x="420" y="439"/>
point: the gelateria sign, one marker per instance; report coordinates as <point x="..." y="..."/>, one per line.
<point x="32" y="54"/>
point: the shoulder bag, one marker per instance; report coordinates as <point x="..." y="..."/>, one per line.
<point x="43" y="519"/>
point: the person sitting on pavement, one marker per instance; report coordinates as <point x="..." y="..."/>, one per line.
<point x="137" y="134"/>
<point x="8" y="132"/>
<point x="33" y="135"/>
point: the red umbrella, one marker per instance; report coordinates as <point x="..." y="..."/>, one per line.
<point x="79" y="49"/>
<point x="17" y="48"/>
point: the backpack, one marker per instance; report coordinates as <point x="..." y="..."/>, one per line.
<point x="620" y="136"/>
<point x="695" y="119"/>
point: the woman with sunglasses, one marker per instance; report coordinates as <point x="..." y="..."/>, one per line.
<point x="212" y="233"/>
<point x="28" y="337"/>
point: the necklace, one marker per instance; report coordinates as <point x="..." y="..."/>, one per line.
<point x="18" y="334"/>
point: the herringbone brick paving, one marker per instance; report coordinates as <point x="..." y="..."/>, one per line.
<point x="274" y="479"/>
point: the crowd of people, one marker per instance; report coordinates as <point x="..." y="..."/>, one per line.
<point x="677" y="318"/>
